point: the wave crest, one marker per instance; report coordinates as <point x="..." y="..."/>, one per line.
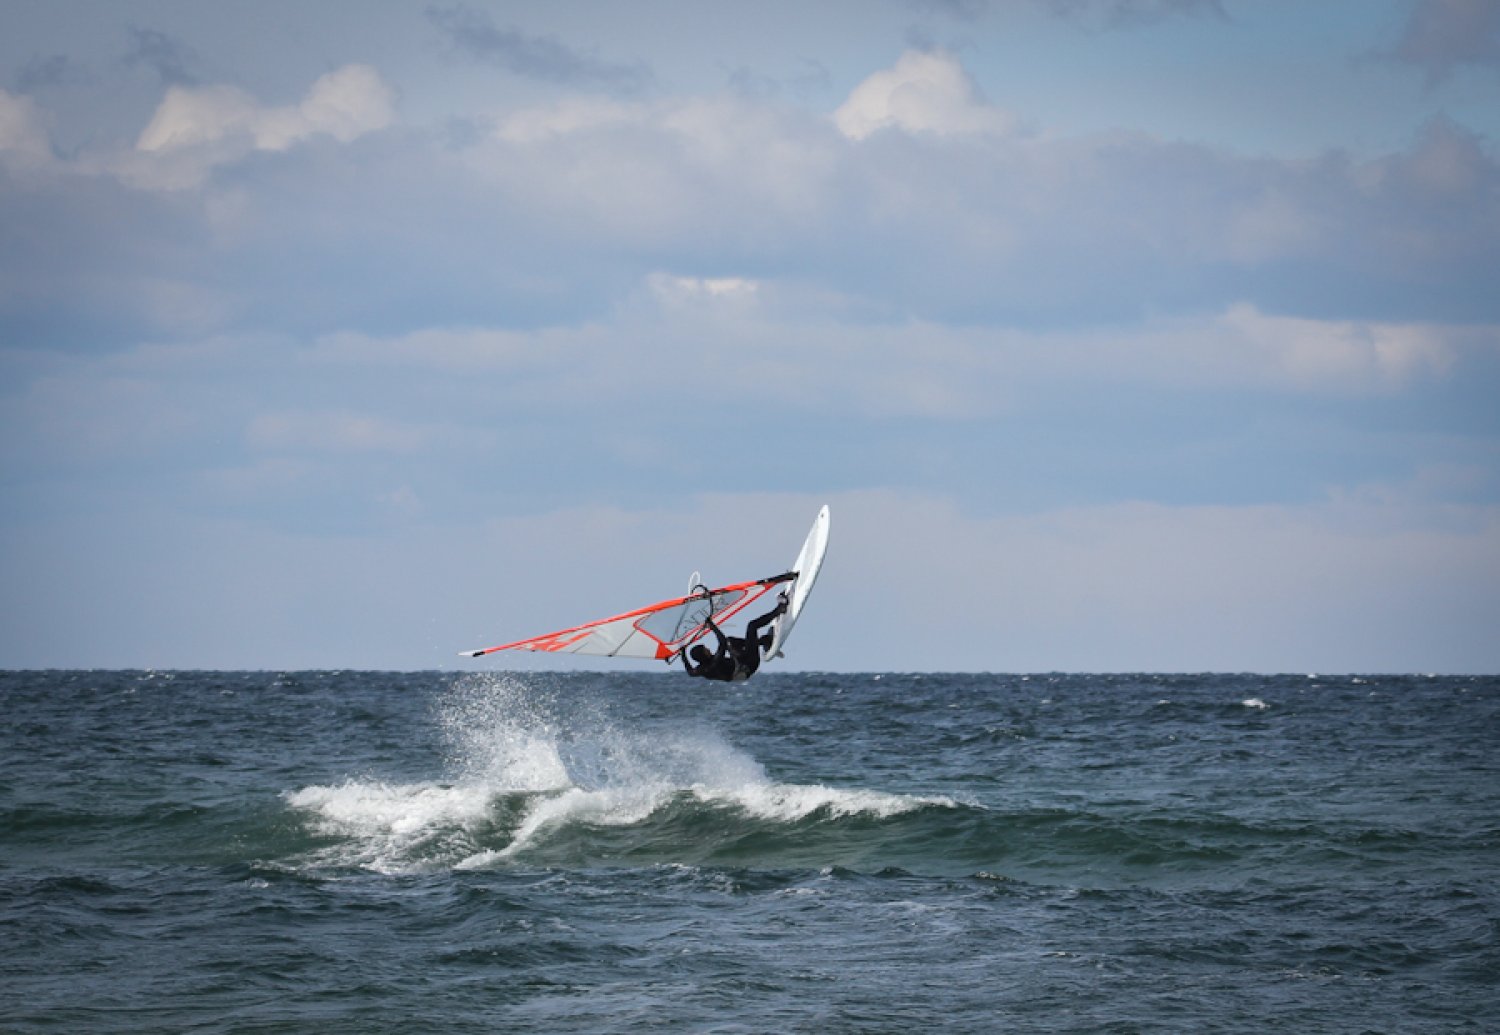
<point x="536" y="778"/>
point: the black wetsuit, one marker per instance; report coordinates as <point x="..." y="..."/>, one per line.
<point x="738" y="657"/>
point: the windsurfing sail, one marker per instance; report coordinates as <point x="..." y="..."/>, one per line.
<point x="660" y="631"/>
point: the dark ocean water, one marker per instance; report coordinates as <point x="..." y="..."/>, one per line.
<point x="373" y="852"/>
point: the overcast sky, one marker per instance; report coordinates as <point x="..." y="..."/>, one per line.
<point x="1118" y="334"/>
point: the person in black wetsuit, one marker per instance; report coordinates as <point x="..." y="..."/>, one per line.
<point x="738" y="657"/>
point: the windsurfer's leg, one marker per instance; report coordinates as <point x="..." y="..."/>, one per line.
<point x="752" y="631"/>
<point x="746" y="655"/>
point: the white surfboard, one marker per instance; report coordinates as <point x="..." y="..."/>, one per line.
<point x="807" y="565"/>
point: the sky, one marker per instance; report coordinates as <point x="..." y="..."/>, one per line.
<point x="1119" y="335"/>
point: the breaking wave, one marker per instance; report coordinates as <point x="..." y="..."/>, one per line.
<point x="539" y="779"/>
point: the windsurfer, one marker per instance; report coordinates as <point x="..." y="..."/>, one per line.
<point x="738" y="657"/>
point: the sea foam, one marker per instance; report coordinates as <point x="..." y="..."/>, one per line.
<point x="523" y="764"/>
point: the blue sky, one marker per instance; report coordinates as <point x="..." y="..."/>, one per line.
<point x="1118" y="334"/>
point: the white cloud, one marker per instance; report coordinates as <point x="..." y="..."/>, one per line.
<point x="722" y="168"/>
<point x="1337" y="354"/>
<point x="344" y="105"/>
<point x="747" y="332"/>
<point x="23" y="136"/>
<point x="955" y="216"/>
<point x="190" y="116"/>
<point x="926" y="91"/>
<point x="1243" y="347"/>
<point x="564" y="205"/>
<point x="686" y="290"/>
<point x="567" y="117"/>
<point x="197" y="128"/>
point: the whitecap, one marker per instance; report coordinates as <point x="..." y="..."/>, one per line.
<point x="374" y="808"/>
<point x="392" y="827"/>
<point x="791" y="802"/>
<point x="523" y="765"/>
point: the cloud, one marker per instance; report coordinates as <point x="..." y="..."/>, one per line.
<point x="23" y="136"/>
<point x="926" y="200"/>
<point x="197" y="128"/>
<point x="560" y="212"/>
<point x="1118" y="14"/>
<point x="711" y="331"/>
<point x="1140" y="402"/>
<point x="536" y="57"/>
<point x="958" y="10"/>
<point x="721" y="174"/>
<point x="1103" y="14"/>
<point x="1246" y="347"/>
<point x="344" y="105"/>
<point x="926" y="91"/>
<point x="1446" y="167"/>
<point x="1442" y="36"/>
<point x="169" y="58"/>
<point x="573" y="117"/>
<point x="40" y="73"/>
<point x="690" y="290"/>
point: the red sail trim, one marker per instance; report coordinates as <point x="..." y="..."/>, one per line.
<point x="635" y="634"/>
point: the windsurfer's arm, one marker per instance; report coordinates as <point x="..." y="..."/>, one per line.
<point x="722" y="651"/>
<point x="723" y="648"/>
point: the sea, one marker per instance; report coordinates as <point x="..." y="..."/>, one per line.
<point x="355" y="852"/>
